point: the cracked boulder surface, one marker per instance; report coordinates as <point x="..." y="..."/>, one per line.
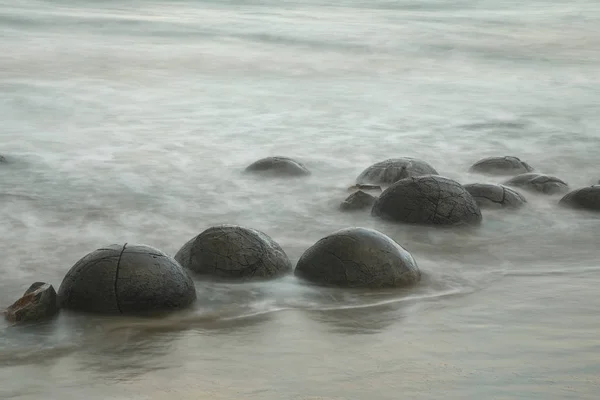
<point x="507" y="165"/>
<point x="428" y="200"/>
<point x="357" y="201"/>
<point x="126" y="279"/>
<point x="233" y="252"/>
<point x="280" y="166"/>
<point x="540" y="183"/>
<point x="587" y="198"/>
<point x="391" y="170"/>
<point x="489" y="195"/>
<point x="358" y="258"/>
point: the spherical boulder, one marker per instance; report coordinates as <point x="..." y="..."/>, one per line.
<point x="358" y="258"/>
<point x="489" y="195"/>
<point x="126" y="279"/>
<point x="540" y="183"/>
<point x="281" y="166"/>
<point x="235" y="253"/>
<point x="506" y="165"/>
<point x="587" y="198"/>
<point x="428" y="200"/>
<point x="389" y="171"/>
<point x="357" y="201"/>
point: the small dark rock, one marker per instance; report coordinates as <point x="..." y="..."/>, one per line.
<point x="358" y="257"/>
<point x="234" y="252"/>
<point x="282" y="166"/>
<point x="429" y="200"/>
<point x="540" y="183"/>
<point x="376" y="188"/>
<point x="495" y="196"/>
<point x="38" y="303"/>
<point x="587" y="198"/>
<point x="507" y="165"/>
<point x="2" y="159"/>
<point x="389" y="171"/>
<point x="357" y="201"/>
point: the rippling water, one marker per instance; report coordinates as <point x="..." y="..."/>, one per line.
<point x="131" y="121"/>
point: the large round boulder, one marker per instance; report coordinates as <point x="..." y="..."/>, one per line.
<point x="429" y="200"/>
<point x="358" y="257"/>
<point x="234" y="252"/>
<point x="281" y="166"/>
<point x="489" y="195"/>
<point x="389" y="171"/>
<point x="587" y="198"/>
<point x="507" y="165"/>
<point x="540" y="183"/>
<point x="126" y="279"/>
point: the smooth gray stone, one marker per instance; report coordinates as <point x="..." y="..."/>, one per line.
<point x="282" y="166"/>
<point x="587" y="198"/>
<point x="38" y="303"/>
<point x="489" y="195"/>
<point x="389" y="171"/>
<point x="126" y="279"/>
<point x="358" y="257"/>
<point x="357" y="201"/>
<point x="540" y="183"/>
<point x="428" y="200"/>
<point x="235" y="253"/>
<point x="507" y="165"/>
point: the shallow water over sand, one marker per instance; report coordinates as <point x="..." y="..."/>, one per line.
<point x="132" y="121"/>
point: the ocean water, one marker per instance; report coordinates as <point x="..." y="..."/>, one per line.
<point x="132" y="121"/>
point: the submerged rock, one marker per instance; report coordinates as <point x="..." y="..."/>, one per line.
<point x="234" y="252"/>
<point x="126" y="279"/>
<point x="282" y="166"/>
<point x="2" y="159"/>
<point x="389" y="171"/>
<point x="587" y="198"/>
<point x="540" y="183"/>
<point x="39" y="302"/>
<point x="358" y="257"/>
<point x="495" y="196"/>
<point x="507" y="165"/>
<point x="357" y="201"/>
<point x="375" y="188"/>
<point x="430" y="200"/>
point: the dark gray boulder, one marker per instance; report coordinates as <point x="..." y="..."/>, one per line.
<point x="235" y="253"/>
<point x="507" y="165"/>
<point x="281" y="166"/>
<point x="357" y="201"/>
<point x="38" y="303"/>
<point x="429" y="200"/>
<point x="358" y="257"/>
<point x="126" y="279"/>
<point x="587" y="198"/>
<point x="540" y="183"/>
<point x="2" y="159"/>
<point x="489" y="195"/>
<point x="389" y="171"/>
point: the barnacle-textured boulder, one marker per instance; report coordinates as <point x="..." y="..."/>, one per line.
<point x="358" y="257"/>
<point x="126" y="279"/>
<point x="281" y="166"/>
<point x="506" y="165"/>
<point x="540" y="183"/>
<point x="39" y="302"/>
<point x="234" y="252"/>
<point x="389" y="171"/>
<point x="587" y="198"/>
<point x="357" y="201"/>
<point x="489" y="195"/>
<point x="429" y="200"/>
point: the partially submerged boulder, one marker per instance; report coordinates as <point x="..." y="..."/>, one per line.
<point x="507" y="165"/>
<point x="358" y="257"/>
<point x="587" y="198"/>
<point x="540" y="183"/>
<point x="391" y="170"/>
<point x="489" y="195"/>
<point x="430" y="200"/>
<point x="38" y="303"/>
<point x="281" y="166"/>
<point x="357" y="201"/>
<point x="235" y="253"/>
<point x="126" y="279"/>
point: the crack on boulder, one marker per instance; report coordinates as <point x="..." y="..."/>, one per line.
<point x="117" y="279"/>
